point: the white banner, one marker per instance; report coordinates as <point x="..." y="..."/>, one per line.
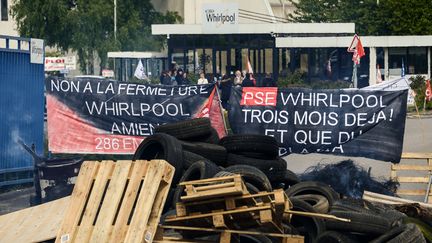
<point x="54" y="64"/>
<point x="70" y="62"/>
<point x="60" y="63"/>
<point x="396" y="84"/>
<point x="220" y="18"/>
<point x="36" y="51"/>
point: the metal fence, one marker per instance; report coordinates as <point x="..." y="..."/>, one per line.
<point x="21" y="109"/>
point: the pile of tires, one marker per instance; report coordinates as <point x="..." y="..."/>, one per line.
<point x="194" y="148"/>
<point x="368" y="222"/>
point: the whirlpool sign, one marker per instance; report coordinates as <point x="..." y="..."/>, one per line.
<point x="220" y="18"/>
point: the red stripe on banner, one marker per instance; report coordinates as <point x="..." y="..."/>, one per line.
<point x="69" y="133"/>
<point x="205" y="109"/>
<point x="212" y="110"/>
<point x="253" y="96"/>
<point x="216" y="116"/>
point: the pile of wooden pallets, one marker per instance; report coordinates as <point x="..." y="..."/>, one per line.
<point x="224" y="207"/>
<point x="122" y="202"/>
<point x="116" y="202"/>
<point x="112" y="202"/>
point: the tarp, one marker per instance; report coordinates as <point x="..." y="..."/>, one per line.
<point x="395" y="84"/>
<point x="353" y="122"/>
<point x="110" y="117"/>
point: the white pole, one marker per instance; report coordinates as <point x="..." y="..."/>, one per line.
<point x="386" y="64"/>
<point x="372" y="66"/>
<point x="429" y="61"/>
<point x="115" y="19"/>
<point x="115" y="32"/>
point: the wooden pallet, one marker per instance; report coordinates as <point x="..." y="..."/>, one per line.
<point x="225" y="235"/>
<point x="276" y="198"/>
<point x="116" y="202"/>
<point x="424" y="171"/>
<point x="35" y="224"/>
<point x="213" y="188"/>
<point x="262" y="217"/>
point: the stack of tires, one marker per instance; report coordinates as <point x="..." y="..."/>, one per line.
<point x="369" y="222"/>
<point x="193" y="147"/>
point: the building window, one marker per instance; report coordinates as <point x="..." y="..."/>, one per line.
<point x="413" y="58"/>
<point x="4" y="10"/>
<point x="417" y="60"/>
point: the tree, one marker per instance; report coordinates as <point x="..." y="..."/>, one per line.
<point x="372" y="17"/>
<point x="87" y="27"/>
<point x="418" y="86"/>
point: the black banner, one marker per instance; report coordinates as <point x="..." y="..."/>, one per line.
<point x="351" y="122"/>
<point x="100" y="116"/>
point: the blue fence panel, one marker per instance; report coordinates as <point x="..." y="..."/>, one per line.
<point x="21" y="104"/>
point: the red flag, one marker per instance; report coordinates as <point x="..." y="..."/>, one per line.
<point x="205" y="109"/>
<point x="357" y="48"/>
<point x="212" y="109"/>
<point x="428" y="92"/>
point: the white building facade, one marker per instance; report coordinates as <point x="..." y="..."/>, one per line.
<point x="7" y="24"/>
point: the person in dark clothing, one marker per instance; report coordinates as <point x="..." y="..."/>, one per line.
<point x="186" y="80"/>
<point x="165" y="78"/>
<point x="268" y="81"/>
<point x="248" y="82"/>
<point x="179" y="77"/>
<point x="161" y="77"/>
<point x="225" y="84"/>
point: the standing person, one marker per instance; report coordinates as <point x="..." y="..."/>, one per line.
<point x="165" y="78"/>
<point x="179" y="77"/>
<point x="216" y="78"/>
<point x="268" y="81"/>
<point x="248" y="82"/>
<point x="173" y="77"/>
<point x="243" y="74"/>
<point x="186" y="80"/>
<point x="225" y="86"/>
<point x="238" y="78"/>
<point x="161" y="77"/>
<point x="202" y="79"/>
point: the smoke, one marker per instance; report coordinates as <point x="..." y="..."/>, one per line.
<point x="14" y="149"/>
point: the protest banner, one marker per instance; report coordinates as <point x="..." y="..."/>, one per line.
<point x="110" y="117"/>
<point x="352" y="122"/>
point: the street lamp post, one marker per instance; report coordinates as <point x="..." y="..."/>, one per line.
<point x="115" y="32"/>
<point x="115" y="19"/>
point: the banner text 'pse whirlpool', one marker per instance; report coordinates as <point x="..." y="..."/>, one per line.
<point x="351" y="122"/>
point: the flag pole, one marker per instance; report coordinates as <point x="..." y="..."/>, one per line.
<point x="221" y="109"/>
<point x="354" y="76"/>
